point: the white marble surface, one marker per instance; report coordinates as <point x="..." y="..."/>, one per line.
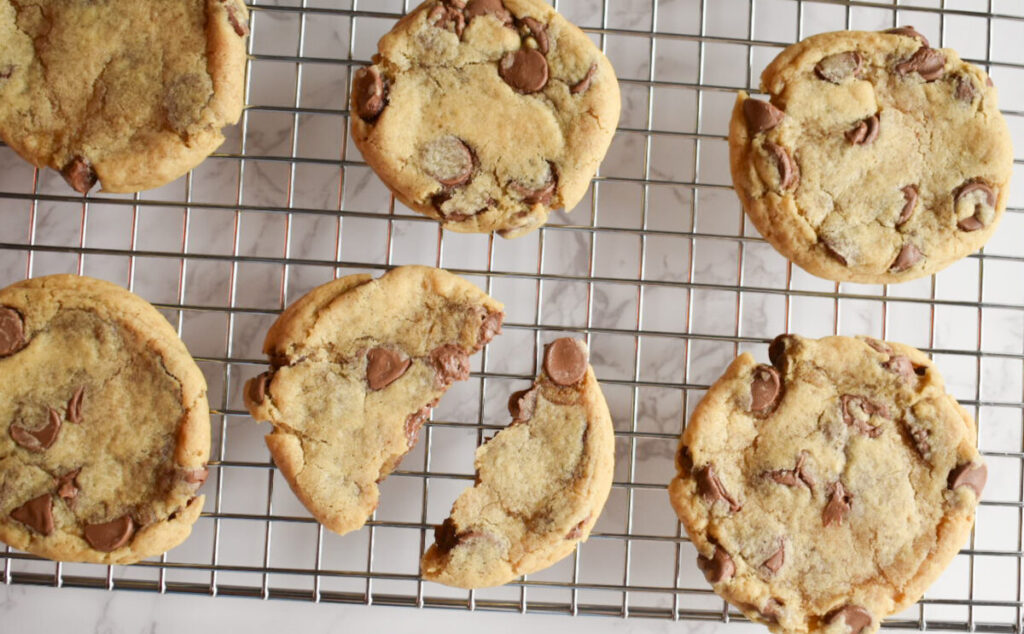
<point x="683" y="234"/>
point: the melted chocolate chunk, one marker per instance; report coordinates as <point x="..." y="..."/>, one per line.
<point x="908" y="256"/>
<point x="448" y="18"/>
<point x="965" y="90"/>
<point x="711" y="488"/>
<point x="476" y="8"/>
<point x="37" y="514"/>
<point x="838" y="505"/>
<point x="969" y="475"/>
<point x="789" y="173"/>
<point x="109" y="536"/>
<point x="38" y="440"/>
<point x="839" y="66"/>
<point x="865" y="132"/>
<point x="765" y="390"/>
<point x="974" y="223"/>
<point x="12" y="332"/>
<point x="490" y="327"/>
<point x="74" y="413"/>
<point x="67" y="486"/>
<point x="522" y="403"/>
<point x="910" y="195"/>
<point x="856" y="618"/>
<point x="525" y="70"/>
<point x="240" y="27"/>
<point x="79" y="174"/>
<point x="761" y="116"/>
<point x="543" y="195"/>
<point x="774" y="563"/>
<point x="910" y="31"/>
<point x="565" y="361"/>
<point x="719" y="567"/>
<point x="583" y="85"/>
<point x="832" y="251"/>
<point x="857" y="410"/>
<point x="539" y="32"/>
<point x="415" y="422"/>
<point x="795" y="476"/>
<point x="576" y="532"/>
<point x="451" y="364"/>
<point x="449" y="160"/>
<point x="258" y="387"/>
<point x="777" y="350"/>
<point x="684" y="462"/>
<point x="929" y="63"/>
<point x="902" y="366"/>
<point x="370" y="93"/>
<point x="384" y="367"/>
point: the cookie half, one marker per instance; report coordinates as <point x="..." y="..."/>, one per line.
<point x="106" y="426"/>
<point x="878" y="159"/>
<point x="133" y="93"/>
<point x="541" y="482"/>
<point x="486" y="115"/>
<point x="827" y="490"/>
<point x="356" y="366"/>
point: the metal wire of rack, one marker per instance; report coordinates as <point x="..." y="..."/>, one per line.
<point x="657" y="269"/>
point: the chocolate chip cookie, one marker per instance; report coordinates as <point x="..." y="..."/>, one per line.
<point x="356" y="366"/>
<point x="827" y="490"/>
<point x="485" y="114"/>
<point x="541" y="482"/>
<point x="132" y="93"/>
<point x="878" y="159"/>
<point x="105" y="424"/>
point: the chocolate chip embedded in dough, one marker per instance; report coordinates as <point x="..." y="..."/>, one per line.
<point x="38" y="440"/>
<point x="37" y="514"/>
<point x="415" y="422"/>
<point x="12" y="332"/>
<point x="779" y="348"/>
<point x="774" y="563"/>
<point x="856" y="618"/>
<point x="878" y="346"/>
<point x="541" y="195"/>
<point x="241" y="28"/>
<point x="444" y="17"/>
<point x="74" y="413"/>
<point x="904" y="368"/>
<point x="929" y="63"/>
<point x="789" y="172"/>
<point x="834" y="252"/>
<point x="865" y="132"/>
<point x="565" y="361"/>
<point x="711" y="488"/>
<point x="196" y="477"/>
<point x="521" y="404"/>
<point x="684" y="461"/>
<point x="717" y="568"/>
<point x="971" y="187"/>
<point x="583" y="85"/>
<point x="107" y="537"/>
<point x="909" y="256"/>
<point x="451" y="364"/>
<point x="965" y="90"/>
<point x="969" y="475"/>
<point x="384" y="367"/>
<point x="79" y="174"/>
<point x="857" y="410"/>
<point x="910" y="196"/>
<point x="761" y="116"/>
<point x="765" y="388"/>
<point x="370" y="93"/>
<point x="838" y="505"/>
<point x="539" y="33"/>
<point x="67" y="486"/>
<point x="477" y="8"/>
<point x="795" y="476"/>
<point x="525" y="70"/>
<point x="909" y="31"/>
<point x="576" y="532"/>
<point x="839" y="66"/>
<point x="257" y="387"/>
<point x="449" y="160"/>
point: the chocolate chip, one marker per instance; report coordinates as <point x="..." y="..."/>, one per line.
<point x="989" y="82"/>
<point x="719" y="567"/>
<point x="384" y="367"/>
<point x="448" y="18"/>
<point x="79" y="174"/>
<point x="974" y="222"/>
<point x="761" y="115"/>
<point x="74" y="413"/>
<point x="583" y="85"/>
<point x="370" y="93"/>
<point x="903" y="367"/>
<point x="449" y="160"/>
<point x="446" y="536"/>
<point x="415" y="422"/>
<point x="37" y="514"/>
<point x="525" y="70"/>
<point x="197" y="477"/>
<point x="857" y="411"/>
<point x="965" y="90"/>
<point x="856" y="618"/>
<point x="241" y="29"/>
<point x="910" y="195"/>
<point x="38" y="440"/>
<point x="774" y="563"/>
<point x="789" y="172"/>
<point x="258" y="387"/>
<point x="909" y="31"/>
<point x="565" y="361"/>
<point x="711" y="489"/>
<point x="109" y="536"/>
<point x="684" y="462"/>
<point x="778" y="349"/>
<point x="765" y="388"/>
<point x="838" y="506"/>
<point x="929" y="63"/>
<point x="831" y="250"/>
<point x="576" y="532"/>
<point x="839" y="66"/>
<point x="919" y="437"/>
<point x="476" y="8"/>
<point x="865" y="132"/>
<point x="12" y="332"/>
<point x="878" y="346"/>
<point x="521" y="404"/>
<point x="539" y="33"/>
<point x="969" y="475"/>
<point x="67" y="486"/>
<point x="793" y="477"/>
<point x="541" y="195"/>
<point x="909" y="256"/>
<point x="451" y="364"/>
<point x="490" y="327"/>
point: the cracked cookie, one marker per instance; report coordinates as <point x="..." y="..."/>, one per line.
<point x="826" y="491"/>
<point x="541" y="482"/>
<point x="130" y="93"/>
<point x="484" y="114"/>
<point x="106" y="427"/>
<point x="878" y="159"/>
<point x="356" y="366"/>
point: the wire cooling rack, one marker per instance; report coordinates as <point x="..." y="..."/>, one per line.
<point x="657" y="269"/>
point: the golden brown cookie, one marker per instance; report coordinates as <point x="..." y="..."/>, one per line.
<point x="106" y="427"/>
<point x="133" y="93"/>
